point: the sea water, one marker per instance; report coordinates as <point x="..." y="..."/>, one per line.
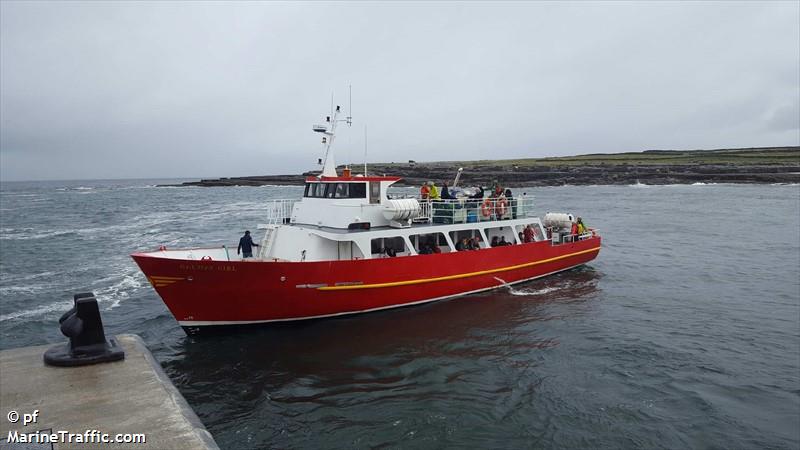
<point x="684" y="332"/>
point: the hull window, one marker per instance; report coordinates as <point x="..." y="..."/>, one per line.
<point x="389" y="247"/>
<point x="467" y="240"/>
<point x="430" y="243"/>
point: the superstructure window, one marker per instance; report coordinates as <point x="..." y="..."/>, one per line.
<point x="358" y="190"/>
<point x="336" y="190"/>
<point x="315" y="190"/>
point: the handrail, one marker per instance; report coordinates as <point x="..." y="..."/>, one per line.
<point x="465" y="210"/>
<point x="459" y="210"/>
<point x="280" y="211"/>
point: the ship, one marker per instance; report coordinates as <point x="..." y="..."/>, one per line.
<point x="350" y="246"/>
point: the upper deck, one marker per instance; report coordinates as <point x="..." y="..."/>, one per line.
<point x="460" y="210"/>
<point x="358" y="203"/>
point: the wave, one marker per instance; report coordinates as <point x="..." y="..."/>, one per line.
<point x="21" y="234"/>
<point x="533" y="292"/>
<point x="76" y="188"/>
<point x="55" y="307"/>
<point x="121" y="290"/>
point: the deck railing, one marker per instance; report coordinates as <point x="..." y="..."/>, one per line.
<point x="280" y="211"/>
<point x="474" y="210"/>
<point x="461" y="210"/>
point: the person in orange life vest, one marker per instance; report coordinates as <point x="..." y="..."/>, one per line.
<point x="425" y="191"/>
<point x="574" y="231"/>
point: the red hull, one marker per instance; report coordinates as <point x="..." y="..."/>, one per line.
<point x="202" y="293"/>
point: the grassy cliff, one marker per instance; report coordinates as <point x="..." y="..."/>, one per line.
<point x="741" y="165"/>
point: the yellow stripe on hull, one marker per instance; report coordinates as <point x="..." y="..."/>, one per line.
<point x="454" y="277"/>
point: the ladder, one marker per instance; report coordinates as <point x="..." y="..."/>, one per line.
<point x="266" y="243"/>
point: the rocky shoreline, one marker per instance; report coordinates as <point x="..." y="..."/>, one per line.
<point x="757" y="166"/>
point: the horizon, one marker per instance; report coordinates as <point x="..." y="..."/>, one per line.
<point x="357" y="164"/>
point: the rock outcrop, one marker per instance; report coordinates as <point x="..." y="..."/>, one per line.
<point x="756" y="165"/>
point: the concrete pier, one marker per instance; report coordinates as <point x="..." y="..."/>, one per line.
<point x="82" y="406"/>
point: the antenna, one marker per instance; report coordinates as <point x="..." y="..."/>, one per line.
<point x="365" y="149"/>
<point x="350" y="108"/>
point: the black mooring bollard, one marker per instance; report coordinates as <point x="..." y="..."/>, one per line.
<point x="87" y="340"/>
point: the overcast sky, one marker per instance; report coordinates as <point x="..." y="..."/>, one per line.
<point x="151" y="89"/>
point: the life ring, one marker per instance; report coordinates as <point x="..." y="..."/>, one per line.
<point x="205" y="258"/>
<point x="500" y="207"/>
<point x="486" y="208"/>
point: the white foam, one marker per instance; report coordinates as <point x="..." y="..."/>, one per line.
<point x="120" y="290"/>
<point x="60" y="307"/>
<point x="532" y="292"/>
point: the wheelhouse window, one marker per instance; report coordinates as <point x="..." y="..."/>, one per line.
<point x="358" y="190"/>
<point x="315" y="190"/>
<point x="336" y="190"/>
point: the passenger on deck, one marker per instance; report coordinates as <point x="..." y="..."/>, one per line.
<point x="527" y="234"/>
<point x="521" y="237"/>
<point x="461" y="245"/>
<point x="573" y="231"/>
<point x="478" y="195"/>
<point x="581" y="227"/>
<point x="390" y="252"/>
<point x="494" y="241"/>
<point x="445" y="192"/>
<point x="425" y="191"/>
<point x="511" y="203"/>
<point x="503" y="242"/>
<point x="246" y="245"/>
<point x="434" y="191"/>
